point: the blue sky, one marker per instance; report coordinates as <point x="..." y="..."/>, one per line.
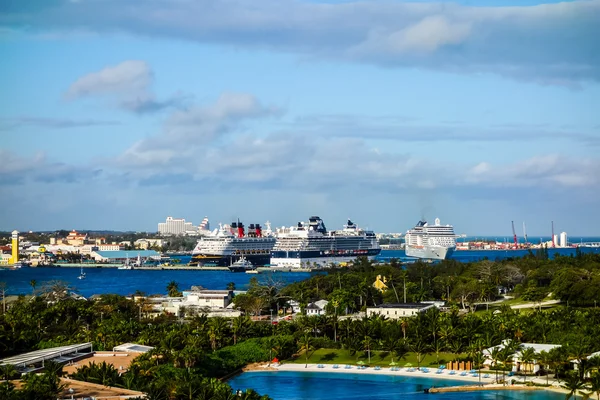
<point x="114" y="115"/>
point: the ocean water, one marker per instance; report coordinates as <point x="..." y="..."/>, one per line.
<point x="286" y="385"/>
<point x="478" y="255"/>
<point x="126" y="282"/>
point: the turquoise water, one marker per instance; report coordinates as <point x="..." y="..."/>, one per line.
<point x="285" y="385"/>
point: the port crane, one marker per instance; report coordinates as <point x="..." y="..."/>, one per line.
<point x="514" y="234"/>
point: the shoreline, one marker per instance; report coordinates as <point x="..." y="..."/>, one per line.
<point x="486" y="383"/>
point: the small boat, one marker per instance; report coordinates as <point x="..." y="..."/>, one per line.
<point x="81" y="274"/>
<point x="242" y="265"/>
<point x="253" y="271"/>
<point x="126" y="265"/>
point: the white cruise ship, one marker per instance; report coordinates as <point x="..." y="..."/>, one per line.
<point x="305" y="245"/>
<point x="230" y="243"/>
<point x="434" y="242"/>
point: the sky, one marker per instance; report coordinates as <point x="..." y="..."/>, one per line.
<point x="115" y="114"/>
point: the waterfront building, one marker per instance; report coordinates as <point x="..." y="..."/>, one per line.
<point x="175" y="226"/>
<point x="517" y="364"/>
<point x="120" y="256"/>
<point x="398" y="310"/>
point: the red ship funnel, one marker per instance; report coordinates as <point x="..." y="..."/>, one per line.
<point x="258" y="230"/>
<point x="240" y="229"/>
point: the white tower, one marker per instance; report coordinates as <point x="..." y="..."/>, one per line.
<point x="556" y="243"/>
<point x="563" y="239"/>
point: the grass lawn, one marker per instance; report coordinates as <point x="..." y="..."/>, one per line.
<point x="381" y="358"/>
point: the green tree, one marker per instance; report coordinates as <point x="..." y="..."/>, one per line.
<point x="305" y="343"/>
<point x="572" y="383"/>
<point x="527" y="358"/>
<point x="173" y="289"/>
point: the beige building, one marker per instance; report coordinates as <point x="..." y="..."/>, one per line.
<point x="147" y="243"/>
<point x="76" y="239"/>
<point x="399" y="310"/>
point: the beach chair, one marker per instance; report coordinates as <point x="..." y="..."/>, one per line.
<point x="464" y="373"/>
<point x="511" y="373"/>
<point x="348" y="366"/>
<point x="439" y="371"/>
<point x="377" y="368"/>
<point x="486" y="376"/>
<point x="335" y="366"/>
<point x="452" y="372"/>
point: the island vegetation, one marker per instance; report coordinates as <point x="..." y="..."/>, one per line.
<point x="192" y="353"/>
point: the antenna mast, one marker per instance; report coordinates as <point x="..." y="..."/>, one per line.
<point x="524" y="232"/>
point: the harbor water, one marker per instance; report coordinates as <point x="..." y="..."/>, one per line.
<point x="127" y="282"/>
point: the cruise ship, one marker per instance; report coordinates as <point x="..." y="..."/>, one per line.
<point x="230" y="243"/>
<point x="433" y="242"/>
<point x="309" y="245"/>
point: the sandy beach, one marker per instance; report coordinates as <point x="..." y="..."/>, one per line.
<point x="489" y="383"/>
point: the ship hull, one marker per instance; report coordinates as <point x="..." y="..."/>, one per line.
<point x="430" y="252"/>
<point x="308" y="259"/>
<point x="202" y="260"/>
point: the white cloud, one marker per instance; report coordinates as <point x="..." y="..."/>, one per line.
<point x="129" y="82"/>
<point x="549" y="43"/>
<point x="187" y="133"/>
<point x="127" y="78"/>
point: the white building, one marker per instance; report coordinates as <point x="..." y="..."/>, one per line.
<point x="198" y="301"/>
<point x="317" y="308"/>
<point x="537" y="347"/>
<point x="175" y="226"/>
<point x="563" y="239"/>
<point x="398" y="310"/>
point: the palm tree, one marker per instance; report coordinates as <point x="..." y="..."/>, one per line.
<point x="527" y="357"/>
<point x="421" y="349"/>
<point x="505" y="357"/>
<point x="572" y="383"/>
<point x="173" y="289"/>
<point x="478" y="360"/>
<point x="305" y="342"/>
<point x="544" y="361"/>
<point x="33" y="284"/>
<point x="366" y="343"/>
<point x="438" y="346"/>
<point x="595" y="383"/>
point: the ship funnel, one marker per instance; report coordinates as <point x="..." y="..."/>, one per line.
<point x="258" y="230"/>
<point x="240" y="227"/>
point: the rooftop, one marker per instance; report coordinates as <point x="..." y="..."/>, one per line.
<point x="133" y="348"/>
<point x="403" y="305"/>
<point x="59" y="354"/>
<point x="126" y="253"/>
